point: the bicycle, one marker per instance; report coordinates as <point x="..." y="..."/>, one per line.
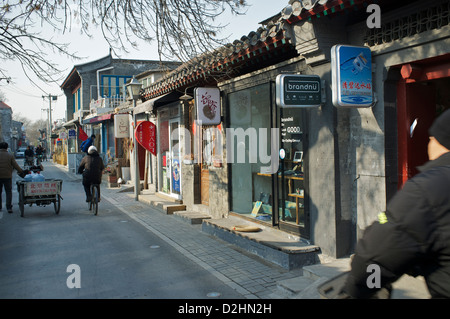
<point x="38" y="159"/>
<point x="95" y="198"/>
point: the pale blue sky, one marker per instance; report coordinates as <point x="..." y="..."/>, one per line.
<point x="26" y="99"/>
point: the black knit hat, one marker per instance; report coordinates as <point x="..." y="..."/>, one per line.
<point x="440" y="129"/>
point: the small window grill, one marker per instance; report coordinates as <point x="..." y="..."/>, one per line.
<point x="425" y="20"/>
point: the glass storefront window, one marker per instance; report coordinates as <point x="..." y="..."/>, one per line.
<point x="274" y="198"/>
<point x="169" y="151"/>
<point x="251" y="189"/>
<point x="291" y="186"/>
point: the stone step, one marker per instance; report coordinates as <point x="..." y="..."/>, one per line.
<point x="327" y="270"/>
<point x="268" y="243"/>
<point x="162" y="203"/>
<point x="306" y="286"/>
<point x="191" y="217"/>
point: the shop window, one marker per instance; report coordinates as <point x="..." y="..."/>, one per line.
<point x="250" y="118"/>
<point x="276" y="198"/>
<point x="291" y="173"/>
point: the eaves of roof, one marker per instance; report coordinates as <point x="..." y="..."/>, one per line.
<point x="229" y="59"/>
<point x="226" y="61"/>
<point x="306" y="10"/>
<point x="3" y="105"/>
<point x="75" y="70"/>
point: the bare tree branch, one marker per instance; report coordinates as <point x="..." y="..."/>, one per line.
<point x="181" y="29"/>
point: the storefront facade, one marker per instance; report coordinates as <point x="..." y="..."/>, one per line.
<point x="337" y="166"/>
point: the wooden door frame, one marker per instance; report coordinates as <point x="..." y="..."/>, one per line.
<point x="415" y="72"/>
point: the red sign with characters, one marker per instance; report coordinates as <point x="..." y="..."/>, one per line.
<point x="145" y="134"/>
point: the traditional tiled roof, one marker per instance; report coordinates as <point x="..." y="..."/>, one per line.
<point x="3" y="105"/>
<point x="307" y="9"/>
<point x="271" y="42"/>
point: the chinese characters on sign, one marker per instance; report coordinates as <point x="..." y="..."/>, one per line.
<point x="42" y="188"/>
<point x="207" y="101"/>
<point x="351" y="69"/>
<point x="145" y="134"/>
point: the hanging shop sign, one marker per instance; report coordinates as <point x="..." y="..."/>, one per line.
<point x="298" y="90"/>
<point x="145" y="134"/>
<point x="351" y="72"/>
<point x="207" y="101"/>
<point x="72" y="134"/>
<point x="121" y="126"/>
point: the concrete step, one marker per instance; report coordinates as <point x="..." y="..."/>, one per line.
<point x="270" y="244"/>
<point x="191" y="217"/>
<point x="306" y="286"/>
<point x="163" y="204"/>
<point x="327" y="270"/>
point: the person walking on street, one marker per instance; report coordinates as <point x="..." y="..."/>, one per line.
<point x="413" y="235"/>
<point x="7" y="165"/>
<point x="91" y="167"/>
<point x="87" y="143"/>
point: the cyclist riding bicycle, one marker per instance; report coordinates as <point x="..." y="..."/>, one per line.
<point x="29" y="156"/>
<point x="91" y="167"/>
<point x="39" y="154"/>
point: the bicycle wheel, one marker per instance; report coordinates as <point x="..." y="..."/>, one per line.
<point x="21" y="200"/>
<point x="90" y="202"/>
<point x="95" y="199"/>
<point x="57" y="204"/>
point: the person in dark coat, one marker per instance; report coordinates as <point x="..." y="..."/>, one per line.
<point x="91" y="167"/>
<point x="413" y="235"/>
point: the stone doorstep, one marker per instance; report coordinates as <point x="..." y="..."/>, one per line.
<point x="306" y="286"/>
<point x="167" y="207"/>
<point x="194" y="218"/>
<point x="272" y="245"/>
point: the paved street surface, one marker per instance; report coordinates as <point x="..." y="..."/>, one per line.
<point x="129" y="250"/>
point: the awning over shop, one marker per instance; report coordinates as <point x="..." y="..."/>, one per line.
<point x="70" y="123"/>
<point x="149" y="105"/>
<point x="97" y="118"/>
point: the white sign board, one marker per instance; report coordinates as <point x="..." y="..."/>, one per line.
<point x="207" y="101"/>
<point x="121" y="126"/>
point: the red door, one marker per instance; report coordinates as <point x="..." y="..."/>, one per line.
<point x="416" y="112"/>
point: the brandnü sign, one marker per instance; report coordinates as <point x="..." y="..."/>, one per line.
<point x="294" y="90"/>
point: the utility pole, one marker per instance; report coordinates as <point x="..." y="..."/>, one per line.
<point x="49" y="113"/>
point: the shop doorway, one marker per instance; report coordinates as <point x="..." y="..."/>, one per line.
<point x="204" y="165"/>
<point x="422" y="95"/>
<point x="169" y="168"/>
<point x="174" y="166"/>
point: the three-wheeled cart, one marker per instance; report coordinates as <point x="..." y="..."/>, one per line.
<point x="39" y="193"/>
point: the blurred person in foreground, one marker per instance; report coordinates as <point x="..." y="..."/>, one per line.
<point x="413" y="235"/>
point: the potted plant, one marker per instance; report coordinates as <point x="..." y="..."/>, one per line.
<point x="111" y="174"/>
